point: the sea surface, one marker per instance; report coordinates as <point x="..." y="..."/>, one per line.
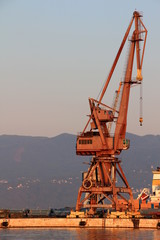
<point x="79" y="234"/>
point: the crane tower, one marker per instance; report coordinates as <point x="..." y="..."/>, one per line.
<point x="100" y="188"/>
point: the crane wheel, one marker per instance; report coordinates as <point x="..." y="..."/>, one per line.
<point x="87" y="184"/>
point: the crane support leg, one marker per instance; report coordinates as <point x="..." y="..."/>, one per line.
<point x="100" y="186"/>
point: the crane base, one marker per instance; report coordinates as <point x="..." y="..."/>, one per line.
<point x="100" y="186"/>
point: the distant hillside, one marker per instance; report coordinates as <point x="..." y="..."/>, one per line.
<point x="45" y="172"/>
<point x="142" y="157"/>
<point x="39" y="171"/>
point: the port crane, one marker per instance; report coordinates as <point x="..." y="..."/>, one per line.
<point x="99" y="187"/>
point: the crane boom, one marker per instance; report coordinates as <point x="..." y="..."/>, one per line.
<point x="116" y="60"/>
<point x="115" y="104"/>
<point x="120" y="130"/>
<point x="122" y="117"/>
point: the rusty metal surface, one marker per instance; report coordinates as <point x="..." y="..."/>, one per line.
<point x="100" y="182"/>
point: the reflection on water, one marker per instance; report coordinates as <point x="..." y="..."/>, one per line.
<point x="79" y="234"/>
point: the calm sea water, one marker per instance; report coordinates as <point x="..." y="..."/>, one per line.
<point x="78" y="234"/>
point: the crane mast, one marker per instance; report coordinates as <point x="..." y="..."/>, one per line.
<point x="99" y="182"/>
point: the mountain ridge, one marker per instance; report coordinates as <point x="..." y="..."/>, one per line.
<point x="43" y="172"/>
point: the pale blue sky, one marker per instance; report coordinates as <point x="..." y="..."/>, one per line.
<point x="55" y="54"/>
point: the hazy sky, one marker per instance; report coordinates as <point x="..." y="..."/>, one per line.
<point x="54" y="54"/>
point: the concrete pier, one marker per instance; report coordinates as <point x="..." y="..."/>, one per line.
<point x="78" y="222"/>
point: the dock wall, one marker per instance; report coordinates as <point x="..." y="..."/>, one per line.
<point x="78" y="222"/>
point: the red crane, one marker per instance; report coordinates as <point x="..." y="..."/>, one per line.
<point x="99" y="185"/>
